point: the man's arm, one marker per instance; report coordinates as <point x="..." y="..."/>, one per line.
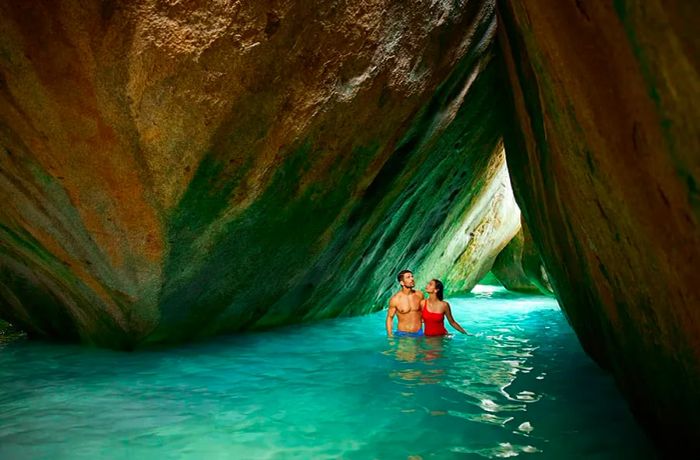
<point x="390" y="318"/>
<point x="421" y="297"/>
<point x="453" y="323"/>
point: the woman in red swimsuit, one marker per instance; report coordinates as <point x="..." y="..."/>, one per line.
<point x="434" y="310"/>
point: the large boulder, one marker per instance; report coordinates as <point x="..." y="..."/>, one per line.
<point x="173" y="169"/>
<point x="532" y="263"/>
<point x="480" y="236"/>
<point x="604" y="155"/>
<point x="519" y="268"/>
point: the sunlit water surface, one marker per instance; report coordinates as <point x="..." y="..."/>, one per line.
<point x="521" y="386"/>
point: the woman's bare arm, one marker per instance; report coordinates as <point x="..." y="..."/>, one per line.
<point x="451" y="320"/>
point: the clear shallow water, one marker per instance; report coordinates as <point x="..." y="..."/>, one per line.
<point x="335" y="389"/>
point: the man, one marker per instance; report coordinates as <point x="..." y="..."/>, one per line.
<point x="405" y="303"/>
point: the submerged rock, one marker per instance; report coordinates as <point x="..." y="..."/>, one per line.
<point x="9" y="333"/>
<point x="175" y="170"/>
<point x="604" y="161"/>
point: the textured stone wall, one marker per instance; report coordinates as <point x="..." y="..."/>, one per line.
<point x="519" y="267"/>
<point x="171" y="170"/>
<point x="604" y="156"/>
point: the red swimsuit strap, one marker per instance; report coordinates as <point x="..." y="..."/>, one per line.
<point x="425" y="308"/>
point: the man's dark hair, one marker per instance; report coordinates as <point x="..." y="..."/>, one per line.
<point x="401" y="273"/>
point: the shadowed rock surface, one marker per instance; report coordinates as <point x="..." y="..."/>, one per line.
<point x="532" y="263"/>
<point x="173" y="170"/>
<point x="604" y="157"/>
<point x="519" y="268"/>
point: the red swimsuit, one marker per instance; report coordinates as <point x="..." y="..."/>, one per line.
<point x="434" y="322"/>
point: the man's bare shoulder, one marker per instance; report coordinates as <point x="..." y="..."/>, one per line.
<point x="419" y="294"/>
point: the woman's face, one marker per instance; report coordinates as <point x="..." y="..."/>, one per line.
<point x="430" y="288"/>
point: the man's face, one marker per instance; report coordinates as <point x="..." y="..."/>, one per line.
<point x="408" y="280"/>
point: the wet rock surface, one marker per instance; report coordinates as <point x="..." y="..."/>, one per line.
<point x="173" y="170"/>
<point x="604" y="161"/>
<point x="519" y="268"/>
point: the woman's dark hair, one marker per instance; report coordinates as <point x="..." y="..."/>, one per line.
<point x="440" y="289"/>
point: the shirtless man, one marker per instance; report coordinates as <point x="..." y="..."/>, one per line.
<point x="407" y="304"/>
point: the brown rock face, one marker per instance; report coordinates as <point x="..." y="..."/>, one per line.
<point x="175" y="169"/>
<point x="605" y="165"/>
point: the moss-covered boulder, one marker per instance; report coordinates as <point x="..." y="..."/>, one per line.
<point x="473" y="243"/>
<point x="173" y="170"/>
<point x="604" y="155"/>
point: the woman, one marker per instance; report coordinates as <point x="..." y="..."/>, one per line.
<point x="434" y="310"/>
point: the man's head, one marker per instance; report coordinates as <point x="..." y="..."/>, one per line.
<point x="406" y="280"/>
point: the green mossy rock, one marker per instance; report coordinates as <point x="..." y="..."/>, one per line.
<point x="519" y="268"/>
<point x="178" y="170"/>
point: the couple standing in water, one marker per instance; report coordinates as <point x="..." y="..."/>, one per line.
<point x="414" y="310"/>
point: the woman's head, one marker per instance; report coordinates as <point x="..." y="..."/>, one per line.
<point x="435" y="286"/>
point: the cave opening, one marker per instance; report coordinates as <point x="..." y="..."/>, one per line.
<point x="173" y="171"/>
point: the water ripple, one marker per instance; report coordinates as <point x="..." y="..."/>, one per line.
<point x="335" y="389"/>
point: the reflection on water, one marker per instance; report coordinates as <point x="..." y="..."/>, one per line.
<point x="473" y="372"/>
<point x="428" y="351"/>
<point x="335" y="389"/>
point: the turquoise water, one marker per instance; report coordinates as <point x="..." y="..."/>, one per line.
<point x="335" y="389"/>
